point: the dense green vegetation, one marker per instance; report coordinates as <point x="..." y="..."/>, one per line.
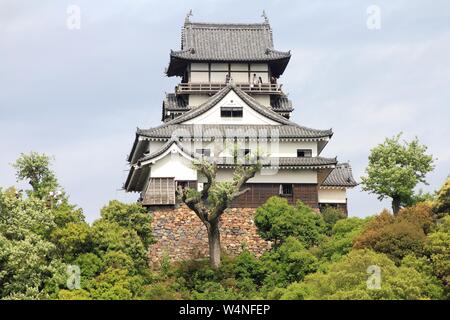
<point x="314" y="256"/>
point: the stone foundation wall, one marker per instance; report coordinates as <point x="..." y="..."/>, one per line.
<point x="181" y="235"/>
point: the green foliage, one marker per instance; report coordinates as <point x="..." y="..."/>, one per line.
<point x="332" y="215"/>
<point x="35" y="168"/>
<point x="347" y="279"/>
<point x="29" y="266"/>
<point x="341" y="240"/>
<point x="115" y="284"/>
<point x="131" y="216"/>
<point x="90" y="265"/>
<point x="396" y="168"/>
<point x="287" y="263"/>
<point x="276" y="220"/>
<point x="110" y="236"/>
<point x="438" y="249"/>
<point x="72" y="240"/>
<point x="442" y="205"/>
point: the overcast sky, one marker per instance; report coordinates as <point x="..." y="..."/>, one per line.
<point x="80" y="94"/>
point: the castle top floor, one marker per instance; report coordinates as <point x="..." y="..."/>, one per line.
<point x="215" y="53"/>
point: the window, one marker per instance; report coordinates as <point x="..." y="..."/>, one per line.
<point x="204" y="152"/>
<point x="304" y="153"/>
<point x="285" y="189"/>
<point x="245" y="152"/>
<point x="231" y="112"/>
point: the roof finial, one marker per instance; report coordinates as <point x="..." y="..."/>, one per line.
<point x="266" y="20"/>
<point x="189" y="14"/>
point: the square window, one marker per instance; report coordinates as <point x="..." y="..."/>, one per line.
<point x="231" y="112"/>
<point x="304" y="153"/>
<point x="286" y="190"/>
<point x="204" y="152"/>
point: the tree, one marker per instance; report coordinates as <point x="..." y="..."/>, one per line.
<point x="341" y="240"/>
<point x="210" y="203"/>
<point x="287" y="263"/>
<point x="332" y="215"/>
<point x="29" y="265"/>
<point x="277" y="220"/>
<point x="438" y="249"/>
<point x="394" y="236"/>
<point x="348" y="279"/>
<point x="35" y="168"/>
<point x="420" y="214"/>
<point x="442" y="205"/>
<point x="133" y="216"/>
<point x="395" y="169"/>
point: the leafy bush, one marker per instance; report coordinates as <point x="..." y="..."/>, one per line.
<point x="396" y="237"/>
<point x="347" y="279"/>
<point x="277" y="220"/>
<point x="332" y="215"/>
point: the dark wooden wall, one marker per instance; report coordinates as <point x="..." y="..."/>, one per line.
<point x="260" y="192"/>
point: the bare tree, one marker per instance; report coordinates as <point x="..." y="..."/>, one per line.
<point x="210" y="203"/>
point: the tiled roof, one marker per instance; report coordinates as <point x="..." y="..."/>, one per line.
<point x="175" y="102"/>
<point x="341" y="176"/>
<point x="267" y="161"/>
<point x="163" y="149"/>
<point x="281" y="104"/>
<point x="228" y="42"/>
<point x="287" y="162"/>
<point x="250" y="101"/>
<point x="224" y="130"/>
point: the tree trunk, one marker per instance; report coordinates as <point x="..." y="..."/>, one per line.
<point x="214" y="243"/>
<point x="395" y="205"/>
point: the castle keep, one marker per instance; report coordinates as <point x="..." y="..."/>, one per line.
<point x="231" y="103"/>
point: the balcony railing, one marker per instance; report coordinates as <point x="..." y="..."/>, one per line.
<point x="263" y="88"/>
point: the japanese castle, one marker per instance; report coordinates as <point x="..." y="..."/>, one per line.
<point x="230" y="104"/>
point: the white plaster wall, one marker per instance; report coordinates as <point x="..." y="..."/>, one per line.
<point x="259" y="67"/>
<point x="239" y="67"/>
<point x="219" y="66"/>
<point x="173" y="165"/>
<point x="197" y="99"/>
<point x="240" y="77"/>
<point x="289" y="149"/>
<point x="271" y="149"/>
<point x="250" y="116"/>
<point x="332" y="196"/>
<point x="219" y="77"/>
<point x="199" y="77"/>
<point x="199" y="66"/>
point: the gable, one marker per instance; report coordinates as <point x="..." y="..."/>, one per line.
<point x="231" y="99"/>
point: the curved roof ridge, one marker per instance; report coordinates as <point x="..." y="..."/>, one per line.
<point x="213" y="100"/>
<point x="164" y="148"/>
<point x="228" y="24"/>
<point x="341" y="176"/>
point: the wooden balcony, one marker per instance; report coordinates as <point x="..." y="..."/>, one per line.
<point x="205" y="88"/>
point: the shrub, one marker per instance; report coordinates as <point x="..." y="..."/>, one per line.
<point x="394" y="237"/>
<point x="277" y="220"/>
<point x="332" y="215"/>
<point x="347" y="279"/>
